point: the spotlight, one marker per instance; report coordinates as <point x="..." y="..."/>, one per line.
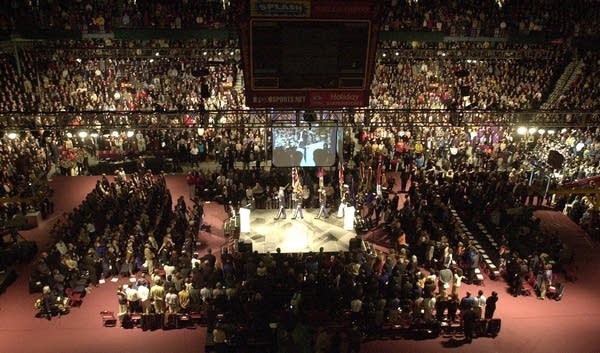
<point x="12" y="135"/>
<point x="532" y="130"/>
<point x="522" y="130"/>
<point x="69" y="135"/>
<point x="541" y="131"/>
<point x="114" y="133"/>
<point x="130" y="133"/>
<point x="551" y="132"/>
<point x="83" y="134"/>
<point x="157" y="54"/>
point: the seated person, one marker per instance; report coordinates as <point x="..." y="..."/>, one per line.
<point x="50" y="304"/>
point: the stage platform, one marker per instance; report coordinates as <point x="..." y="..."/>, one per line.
<point x="296" y="235"/>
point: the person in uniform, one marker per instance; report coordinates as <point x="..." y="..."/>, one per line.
<point x="322" y="204"/>
<point x="281" y="202"/>
<point x="297" y="197"/>
<point x="345" y="200"/>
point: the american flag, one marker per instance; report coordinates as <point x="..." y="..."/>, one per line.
<point x="379" y="167"/>
<point x="341" y="176"/>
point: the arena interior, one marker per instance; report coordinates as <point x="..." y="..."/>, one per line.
<point x="296" y="176"/>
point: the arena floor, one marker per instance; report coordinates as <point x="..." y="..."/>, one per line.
<point x="528" y="325"/>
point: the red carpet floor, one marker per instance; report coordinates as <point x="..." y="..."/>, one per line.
<point x="528" y="325"/>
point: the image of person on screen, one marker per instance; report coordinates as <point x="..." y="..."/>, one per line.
<point x="297" y="198"/>
<point x="304" y="146"/>
<point x="322" y="204"/>
<point x="281" y="202"/>
<point x="324" y="156"/>
<point x="303" y="142"/>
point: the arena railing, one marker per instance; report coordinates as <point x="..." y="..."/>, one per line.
<point x="257" y="118"/>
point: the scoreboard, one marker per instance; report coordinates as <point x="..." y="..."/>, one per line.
<point x="308" y="54"/>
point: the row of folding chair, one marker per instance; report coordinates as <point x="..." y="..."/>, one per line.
<point x="484" y="256"/>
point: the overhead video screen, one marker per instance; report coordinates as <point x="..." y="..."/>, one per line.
<point x="323" y="54"/>
<point x="305" y="147"/>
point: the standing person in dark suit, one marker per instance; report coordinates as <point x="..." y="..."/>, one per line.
<point x="490" y="305"/>
<point x="469" y="317"/>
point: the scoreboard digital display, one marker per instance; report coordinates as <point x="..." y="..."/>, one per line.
<point x="316" y="54"/>
<point x="302" y="54"/>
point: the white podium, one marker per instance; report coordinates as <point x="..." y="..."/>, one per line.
<point x="244" y="220"/>
<point x="349" y="218"/>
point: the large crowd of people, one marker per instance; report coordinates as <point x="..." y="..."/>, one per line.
<point x="481" y="172"/>
<point x="491" y="18"/>
<point x="440" y="83"/>
<point x="106" y="16"/>
<point x="25" y="166"/>
<point x="57" y="83"/>
<point x="141" y="231"/>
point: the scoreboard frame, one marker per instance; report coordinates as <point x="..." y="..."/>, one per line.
<point x="309" y="11"/>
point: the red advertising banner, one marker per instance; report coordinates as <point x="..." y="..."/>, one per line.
<point x="307" y="99"/>
<point x="327" y="99"/>
<point x="276" y="99"/>
<point x="343" y="9"/>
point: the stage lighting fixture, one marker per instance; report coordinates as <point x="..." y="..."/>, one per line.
<point x="541" y="131"/>
<point x="309" y="116"/>
<point x="130" y="133"/>
<point x="69" y="135"/>
<point x="522" y="130"/>
<point x="83" y="134"/>
<point x="157" y="54"/>
<point x="12" y="135"/>
<point x="532" y="130"/>
<point x="114" y="134"/>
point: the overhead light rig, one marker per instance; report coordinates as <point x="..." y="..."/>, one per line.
<point x="260" y="118"/>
